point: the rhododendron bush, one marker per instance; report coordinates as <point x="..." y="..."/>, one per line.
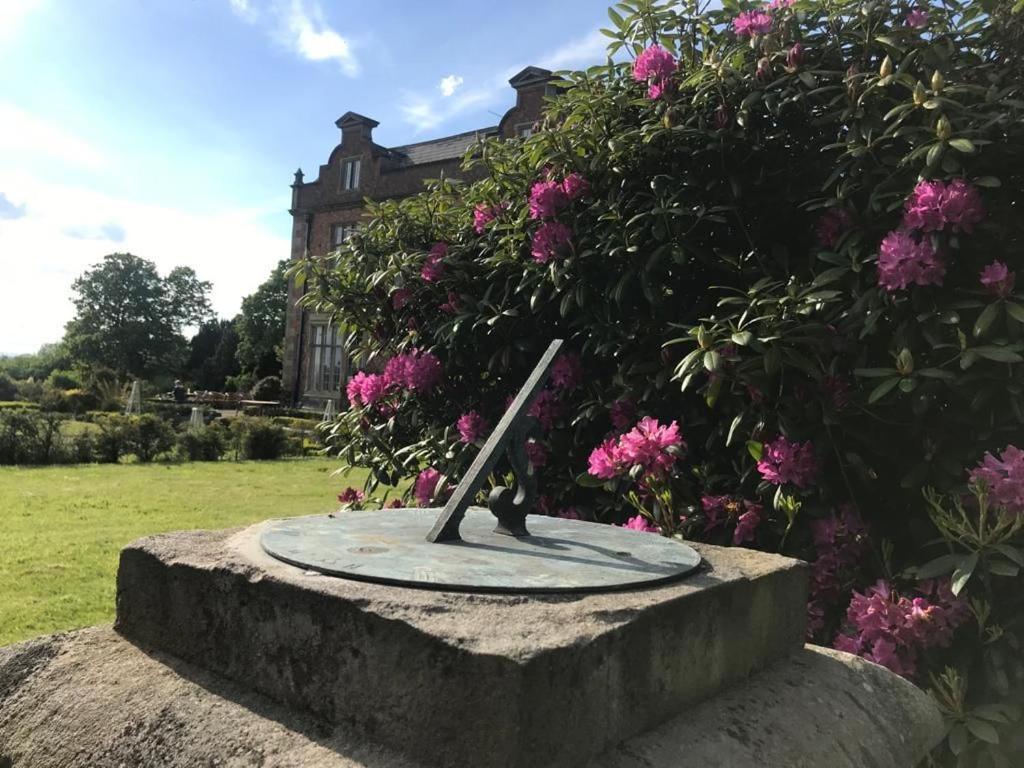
<point x="781" y="242"/>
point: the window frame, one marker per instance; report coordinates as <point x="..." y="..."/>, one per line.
<point x="327" y="364"/>
<point x="350" y="181"/>
<point x="350" y="227"/>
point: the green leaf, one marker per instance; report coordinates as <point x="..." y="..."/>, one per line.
<point x="998" y="354"/>
<point x="742" y="338"/>
<point x="883" y="389"/>
<point x="966" y="146"/>
<point x="712" y="360"/>
<point x="874" y="373"/>
<point x="732" y="428"/>
<point x="1016" y="311"/>
<point x="963" y="573"/>
<point x="987" y="181"/>
<point x="940" y="566"/>
<point x="587" y="480"/>
<point x="958" y="738"/>
<point x="1011" y="553"/>
<point x="755" y="449"/>
<point x="1003" y="568"/>
<point x="986" y="318"/>
<point x="982" y="730"/>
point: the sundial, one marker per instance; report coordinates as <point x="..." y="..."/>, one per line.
<point x="501" y="548"/>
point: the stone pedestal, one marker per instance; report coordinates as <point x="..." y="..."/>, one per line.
<point x="459" y="679"/>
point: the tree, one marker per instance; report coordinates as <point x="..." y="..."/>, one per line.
<point x="260" y="325"/>
<point x="212" y="355"/>
<point x="130" y="319"/>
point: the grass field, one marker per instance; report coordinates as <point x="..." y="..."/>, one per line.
<point x="61" y="528"/>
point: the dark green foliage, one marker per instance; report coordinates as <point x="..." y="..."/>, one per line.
<point x="149" y="436"/>
<point x="212" y="355"/>
<point x="260" y="325"/>
<point x="206" y="444"/>
<point x="112" y="441"/>
<point x="29" y="437"/>
<point x="38" y="365"/>
<point x="64" y="379"/>
<point x="258" y="438"/>
<point x="129" y="319"/>
<point x="8" y="388"/>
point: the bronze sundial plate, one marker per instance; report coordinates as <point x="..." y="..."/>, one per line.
<point x="389" y="547"/>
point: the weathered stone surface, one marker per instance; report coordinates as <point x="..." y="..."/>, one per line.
<point x="461" y="679"/>
<point x="91" y="698"/>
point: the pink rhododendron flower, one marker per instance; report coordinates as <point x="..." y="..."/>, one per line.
<point x="655" y="67"/>
<point x="426" y="488"/>
<point x="961" y="206"/>
<point x="750" y="23"/>
<point x="550" y="241"/>
<point x="575" y="186"/>
<point x="1004" y="478"/>
<point x="433" y="267"/>
<point x="484" y="214"/>
<point x="604" y="461"/>
<point x="365" y="388"/>
<point x="934" y="204"/>
<point x="451" y="306"/>
<point x="652" y="445"/>
<point x="832" y="225"/>
<point x="622" y="413"/>
<point x="998" y="279"/>
<point x="747" y="523"/>
<point x="795" y="57"/>
<point x="394" y="504"/>
<point x="903" y="261"/>
<point x="400" y="297"/>
<point x="841" y="542"/>
<point x="893" y="630"/>
<point x="917" y="18"/>
<point x="567" y="371"/>
<point x="471" y="427"/>
<point x="546" y="409"/>
<point x="536" y="453"/>
<point x="777" y="4"/>
<point x="569" y="513"/>
<point x="783" y="461"/>
<point x="640" y="523"/>
<point x="351" y="496"/>
<point x="546" y="199"/>
<point x="415" y="370"/>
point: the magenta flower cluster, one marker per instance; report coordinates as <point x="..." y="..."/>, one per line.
<point x="722" y="510"/>
<point x="471" y="426"/>
<point x="892" y="630"/>
<point x="935" y="204"/>
<point x="415" y="371"/>
<point x="433" y="267"/>
<point x="351" y="496"/>
<point x="832" y="225"/>
<point x="1003" y="477"/>
<point x="484" y="214"/>
<point x="547" y="408"/>
<point x="783" y="461"/>
<point x="998" y="279"/>
<point x="640" y="523"/>
<point x="567" y="371"/>
<point x="426" y="488"/>
<point x="751" y="23"/>
<point x="550" y="241"/>
<point x="622" y="413"/>
<point x="841" y="541"/>
<point x="917" y="18"/>
<point x="654" y="66"/>
<point x="650" y="445"/>
<point x="905" y="260"/>
<point x="547" y="198"/>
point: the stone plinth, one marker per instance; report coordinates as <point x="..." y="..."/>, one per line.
<point x="92" y="698"/>
<point x="455" y="679"/>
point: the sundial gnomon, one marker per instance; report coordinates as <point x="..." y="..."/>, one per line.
<point x="466" y="548"/>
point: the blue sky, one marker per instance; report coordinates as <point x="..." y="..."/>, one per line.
<point x="171" y="128"/>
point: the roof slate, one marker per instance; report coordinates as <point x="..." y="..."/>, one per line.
<point x="446" y="148"/>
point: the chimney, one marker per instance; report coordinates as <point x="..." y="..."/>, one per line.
<point x="356" y="128"/>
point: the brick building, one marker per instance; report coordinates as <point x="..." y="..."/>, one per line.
<point x="326" y="211"/>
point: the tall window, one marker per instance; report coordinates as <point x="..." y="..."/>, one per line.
<point x="350" y="173"/>
<point x="341" y="232"/>
<point x="327" y="362"/>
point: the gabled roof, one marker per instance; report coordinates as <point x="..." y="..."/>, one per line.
<point x="446" y="148"/>
<point x="530" y="76"/>
<point x="352" y="118"/>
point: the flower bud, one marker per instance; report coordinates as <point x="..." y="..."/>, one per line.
<point x="795" y="57"/>
<point x="920" y="94"/>
<point x="764" y="68"/>
<point x="938" y="81"/>
<point x="886" y="69"/>
<point x="943" y="129"/>
<point x="722" y="117"/>
<point x="905" y="362"/>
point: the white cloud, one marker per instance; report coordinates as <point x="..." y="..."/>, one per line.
<point x="582" y="52"/>
<point x="449" y="85"/>
<point x="23" y="133"/>
<point x="66" y="229"/>
<point x="300" y="27"/>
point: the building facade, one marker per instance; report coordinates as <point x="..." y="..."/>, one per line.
<point x="325" y="212"/>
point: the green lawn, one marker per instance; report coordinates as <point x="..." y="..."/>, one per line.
<point x="61" y="528"/>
